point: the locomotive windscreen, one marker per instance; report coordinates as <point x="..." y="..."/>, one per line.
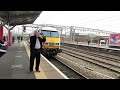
<point x="50" y="33"/>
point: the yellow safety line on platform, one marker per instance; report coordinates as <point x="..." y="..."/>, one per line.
<point x="38" y="75"/>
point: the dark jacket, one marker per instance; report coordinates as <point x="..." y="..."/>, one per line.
<point x="33" y="42"/>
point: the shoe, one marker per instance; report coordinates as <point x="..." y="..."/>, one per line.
<point x="37" y="70"/>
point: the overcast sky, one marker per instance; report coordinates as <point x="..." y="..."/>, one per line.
<point x="103" y="20"/>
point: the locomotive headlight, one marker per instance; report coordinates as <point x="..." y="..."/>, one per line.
<point x="56" y="43"/>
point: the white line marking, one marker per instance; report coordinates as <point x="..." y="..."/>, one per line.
<point x="85" y="67"/>
<point x="55" y="68"/>
<point x="19" y="66"/>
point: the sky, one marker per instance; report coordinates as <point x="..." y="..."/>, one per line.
<point x="103" y="20"/>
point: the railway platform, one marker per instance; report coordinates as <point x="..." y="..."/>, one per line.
<point x="14" y="64"/>
<point x="93" y="45"/>
<point x="90" y="44"/>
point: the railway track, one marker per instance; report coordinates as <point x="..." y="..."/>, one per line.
<point x="67" y="70"/>
<point x="97" y="54"/>
<point x="101" y="60"/>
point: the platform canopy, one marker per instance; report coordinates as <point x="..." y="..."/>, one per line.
<point x="18" y="17"/>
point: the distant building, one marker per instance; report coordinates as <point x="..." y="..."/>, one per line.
<point x="95" y="39"/>
<point x="82" y="38"/>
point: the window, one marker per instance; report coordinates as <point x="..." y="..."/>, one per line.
<point x="50" y="33"/>
<point x="46" y="33"/>
<point x="54" y="34"/>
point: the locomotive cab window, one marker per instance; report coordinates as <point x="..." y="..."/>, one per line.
<point x="50" y="33"/>
<point x="46" y="33"/>
<point x="54" y="34"/>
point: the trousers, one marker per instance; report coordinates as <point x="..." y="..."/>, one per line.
<point x="35" y="53"/>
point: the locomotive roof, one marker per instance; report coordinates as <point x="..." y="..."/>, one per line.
<point x="49" y="28"/>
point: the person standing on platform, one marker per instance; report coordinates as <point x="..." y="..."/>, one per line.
<point x="13" y="39"/>
<point x="18" y="37"/>
<point x="21" y="38"/>
<point x="4" y="38"/>
<point x="88" y="42"/>
<point x="35" y="50"/>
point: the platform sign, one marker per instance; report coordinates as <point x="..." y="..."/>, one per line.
<point x="114" y="39"/>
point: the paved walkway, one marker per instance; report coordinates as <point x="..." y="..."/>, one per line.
<point x="15" y="64"/>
